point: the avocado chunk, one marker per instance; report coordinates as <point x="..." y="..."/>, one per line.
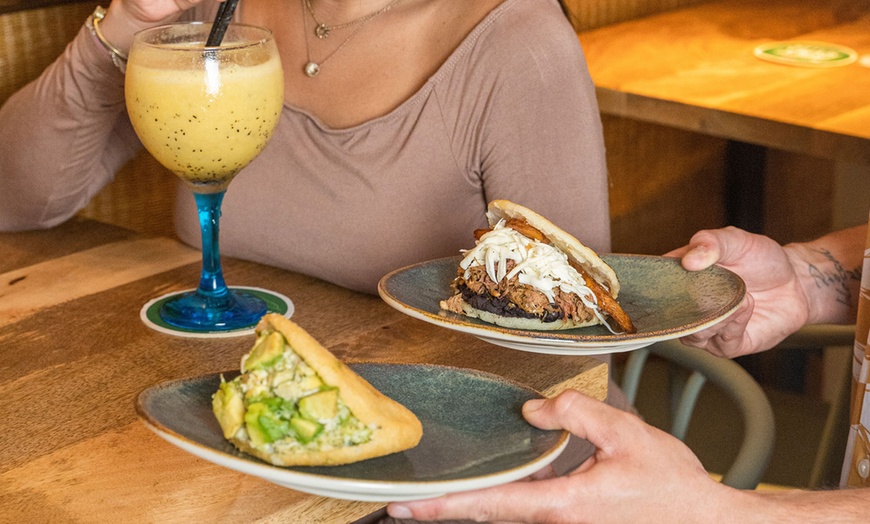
<point x="263" y="425"/>
<point x="310" y="382"/>
<point x="266" y="352"/>
<point x="305" y="430"/>
<point x="322" y="405"/>
<point x="229" y="408"/>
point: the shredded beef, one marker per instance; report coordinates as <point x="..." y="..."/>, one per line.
<point x="572" y="306"/>
<point x="513" y="299"/>
<point x="502" y="305"/>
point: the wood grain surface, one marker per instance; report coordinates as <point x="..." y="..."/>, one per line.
<point x="74" y="355"/>
<point x="694" y="69"/>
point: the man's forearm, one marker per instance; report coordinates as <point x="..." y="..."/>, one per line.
<point x="830" y="506"/>
<point x="830" y="272"/>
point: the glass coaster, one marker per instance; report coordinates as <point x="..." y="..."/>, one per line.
<point x="150" y="314"/>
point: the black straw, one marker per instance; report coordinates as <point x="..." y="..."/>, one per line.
<point x="221" y="21"/>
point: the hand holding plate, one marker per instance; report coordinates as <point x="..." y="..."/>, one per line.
<point x="637" y="473"/>
<point x="775" y="304"/>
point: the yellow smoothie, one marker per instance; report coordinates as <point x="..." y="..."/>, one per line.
<point x="206" y="122"/>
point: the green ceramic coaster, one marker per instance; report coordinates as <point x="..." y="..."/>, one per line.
<point x="150" y="314"/>
<point x="806" y="54"/>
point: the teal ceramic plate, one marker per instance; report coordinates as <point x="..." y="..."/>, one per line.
<point x="662" y="299"/>
<point x="473" y="435"/>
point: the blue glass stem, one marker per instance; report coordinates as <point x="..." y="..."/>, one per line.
<point x="212" y="306"/>
<point x="211" y="280"/>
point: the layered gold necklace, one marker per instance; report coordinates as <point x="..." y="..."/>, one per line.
<point x="323" y="30"/>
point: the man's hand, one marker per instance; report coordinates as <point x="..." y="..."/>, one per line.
<point x="638" y="474"/>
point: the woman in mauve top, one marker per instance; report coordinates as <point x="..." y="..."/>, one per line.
<point x="419" y="117"/>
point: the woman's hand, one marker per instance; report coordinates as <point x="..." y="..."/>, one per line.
<point x="638" y="474"/>
<point x="125" y="17"/>
<point x="775" y="305"/>
<point x="153" y="11"/>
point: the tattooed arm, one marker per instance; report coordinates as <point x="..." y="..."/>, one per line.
<point x="830" y="272"/>
<point x="787" y="286"/>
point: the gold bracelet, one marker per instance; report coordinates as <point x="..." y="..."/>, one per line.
<point x="119" y="58"/>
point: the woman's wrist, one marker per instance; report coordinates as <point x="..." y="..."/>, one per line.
<point x="114" y="27"/>
<point x="94" y="24"/>
<point x="122" y="21"/>
<point x="118" y="27"/>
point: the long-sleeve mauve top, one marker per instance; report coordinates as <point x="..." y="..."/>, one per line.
<point x="511" y="114"/>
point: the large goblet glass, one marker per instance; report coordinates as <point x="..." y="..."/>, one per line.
<point x="205" y="113"/>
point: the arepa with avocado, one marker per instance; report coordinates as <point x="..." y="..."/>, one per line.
<point x="296" y="404"/>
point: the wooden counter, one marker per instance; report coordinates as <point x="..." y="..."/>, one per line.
<point x="694" y="69"/>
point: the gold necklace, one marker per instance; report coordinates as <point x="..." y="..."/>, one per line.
<point x="322" y="30"/>
<point x="312" y="68"/>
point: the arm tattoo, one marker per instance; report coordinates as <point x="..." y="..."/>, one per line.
<point x="838" y="278"/>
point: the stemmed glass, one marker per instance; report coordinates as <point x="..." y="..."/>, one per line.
<point x="204" y="113"/>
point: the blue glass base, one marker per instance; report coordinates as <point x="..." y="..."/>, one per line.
<point x="196" y="311"/>
<point x="150" y="314"/>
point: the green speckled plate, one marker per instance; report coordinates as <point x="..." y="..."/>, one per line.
<point x="474" y="435"/>
<point x="662" y="299"/>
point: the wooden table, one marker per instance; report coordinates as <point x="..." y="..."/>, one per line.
<point x="74" y="354"/>
<point x="694" y="69"/>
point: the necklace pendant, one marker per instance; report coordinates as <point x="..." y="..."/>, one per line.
<point x="321" y="31"/>
<point x="311" y="69"/>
